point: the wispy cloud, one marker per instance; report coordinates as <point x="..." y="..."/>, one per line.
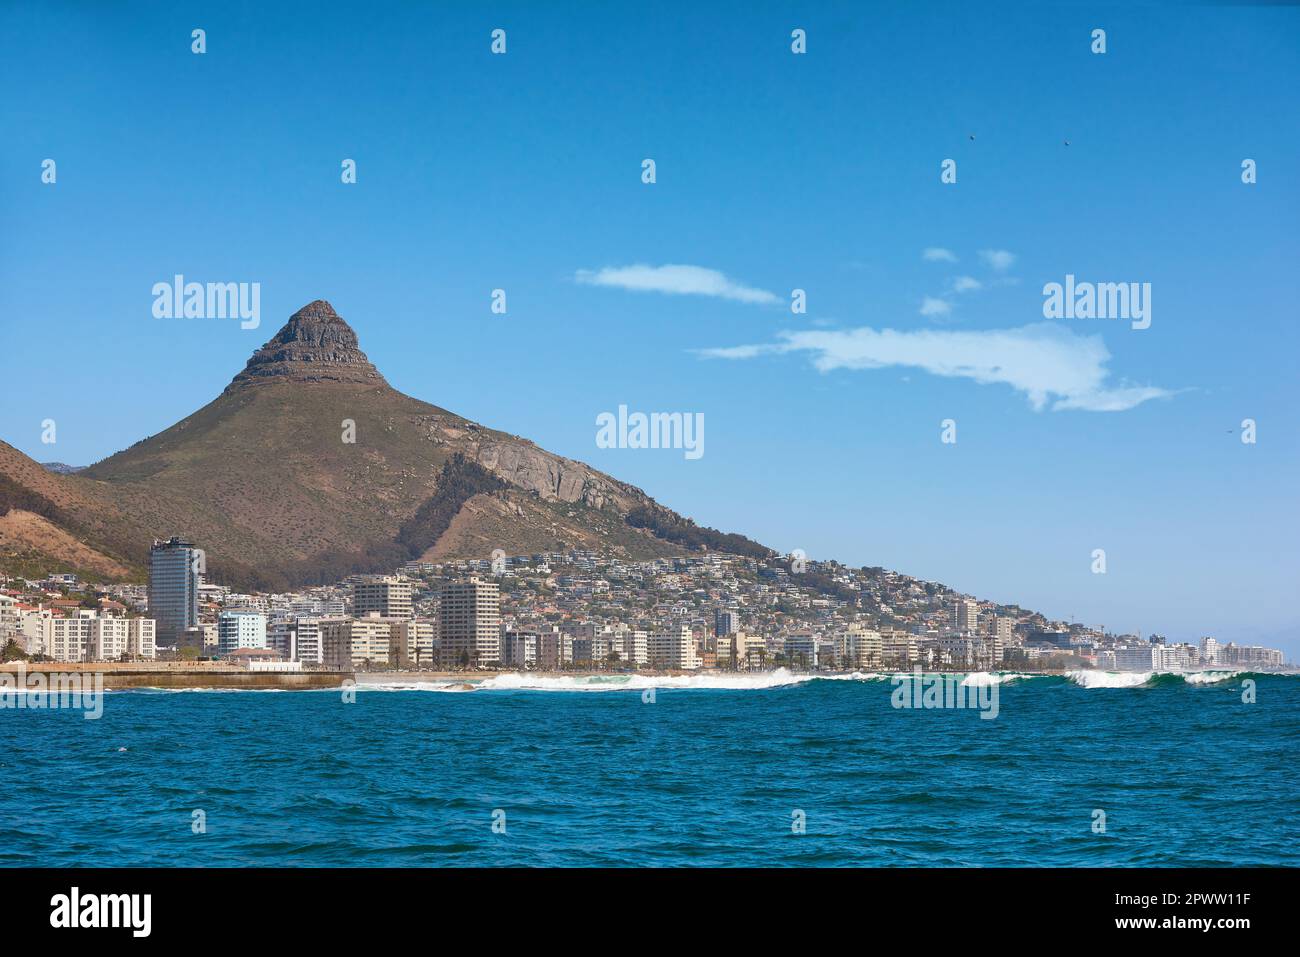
<point x="675" y="280"/>
<point x="937" y="254"/>
<point x="999" y="260"/>
<point x="1050" y="366"/>
<point x="931" y="306"/>
<point x="966" y="284"/>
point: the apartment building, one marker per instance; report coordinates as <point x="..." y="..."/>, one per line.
<point x="469" y="623"/>
<point x="240" y="629"/>
<point x="415" y="642"/>
<point x="174" y="568"/>
<point x="384" y="595"/>
<point x="89" y="636"/>
<point x="673" y="648"/>
<point x="349" y="643"/>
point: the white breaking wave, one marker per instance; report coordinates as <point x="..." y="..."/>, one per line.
<point x="729" y="682"/>
<point x="854" y="676"/>
<point x="1209" y="677"/>
<point x="1110" y="679"/>
<point x="445" y="685"/>
<point x="977" y="678"/>
<point x="1135" y="679"/>
<point x="526" y="681"/>
<point x="973" y="679"/>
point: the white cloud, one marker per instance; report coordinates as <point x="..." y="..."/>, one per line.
<point x="998" y="259"/>
<point x="935" y="307"/>
<point x="675" y="280"/>
<point x="1049" y="365"/>
<point x="937" y="254"/>
<point x="966" y="284"/>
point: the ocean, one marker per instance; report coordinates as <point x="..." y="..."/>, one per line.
<point x="759" y="770"/>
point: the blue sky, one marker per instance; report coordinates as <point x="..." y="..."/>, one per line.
<point x="775" y="171"/>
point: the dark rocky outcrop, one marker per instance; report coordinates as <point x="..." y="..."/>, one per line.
<point x="315" y="345"/>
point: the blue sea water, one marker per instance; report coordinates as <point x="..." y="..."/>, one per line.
<point x="1186" y="773"/>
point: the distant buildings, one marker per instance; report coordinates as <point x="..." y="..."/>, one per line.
<point x="174" y="592"/>
<point x="575" y="609"/>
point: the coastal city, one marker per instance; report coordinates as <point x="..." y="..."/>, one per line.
<point x="573" y="610"/>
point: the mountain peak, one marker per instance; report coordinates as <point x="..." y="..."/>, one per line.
<point x="315" y="345"/>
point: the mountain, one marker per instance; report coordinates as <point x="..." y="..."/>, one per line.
<point x="309" y="466"/>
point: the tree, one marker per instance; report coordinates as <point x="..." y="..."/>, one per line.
<point x="12" y="652"/>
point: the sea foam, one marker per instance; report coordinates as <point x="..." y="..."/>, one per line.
<point x="1110" y="679"/>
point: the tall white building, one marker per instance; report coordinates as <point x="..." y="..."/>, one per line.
<point x="307" y="640"/>
<point x="966" y="616"/>
<point x="240" y="629"/>
<point x="1210" y="651"/>
<point x="861" y="647"/>
<point x="673" y="648"/>
<point x="69" y="639"/>
<point x="1137" y="658"/>
<point x="635" y="648"/>
<point x="90" y="637"/>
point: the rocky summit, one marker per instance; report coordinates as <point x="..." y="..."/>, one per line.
<point x="315" y="345"/>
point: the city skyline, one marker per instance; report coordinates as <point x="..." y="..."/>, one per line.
<point x="577" y="611"/>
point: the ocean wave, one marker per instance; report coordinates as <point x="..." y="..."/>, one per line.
<point x="530" y="681"/>
<point x="723" y="681"/>
<point x="1210" y="677"/>
<point x="781" y="677"/>
<point x="1137" y="679"/>
<point x="1110" y="679"/>
<point x="978" y="678"/>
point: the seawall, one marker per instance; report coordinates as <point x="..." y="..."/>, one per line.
<point x="185" y="675"/>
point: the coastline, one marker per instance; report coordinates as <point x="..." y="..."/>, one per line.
<point x="207" y="674"/>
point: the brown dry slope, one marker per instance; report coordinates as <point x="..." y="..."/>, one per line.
<point x="262" y="478"/>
